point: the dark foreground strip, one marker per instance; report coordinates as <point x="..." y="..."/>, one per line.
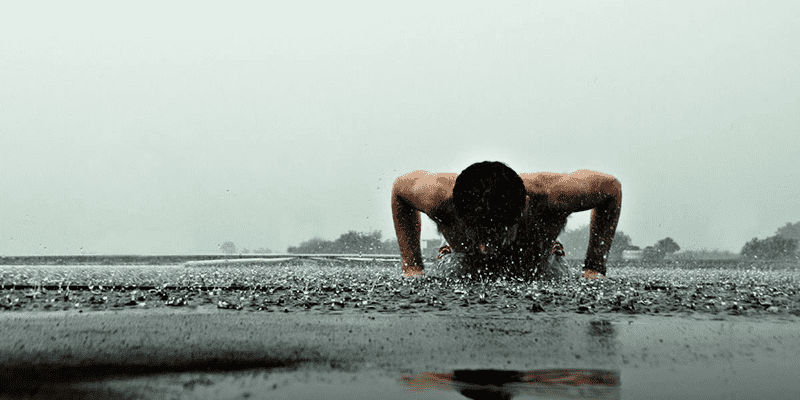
<point x="21" y="380"/>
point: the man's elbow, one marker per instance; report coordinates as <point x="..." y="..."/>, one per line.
<point x="402" y="184"/>
<point x="398" y="198"/>
<point x="610" y="191"/>
<point x="612" y="186"/>
<point x="402" y="187"/>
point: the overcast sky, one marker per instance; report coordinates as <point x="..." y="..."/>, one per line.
<point x="171" y="127"/>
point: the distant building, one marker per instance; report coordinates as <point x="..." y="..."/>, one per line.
<point x="632" y="255"/>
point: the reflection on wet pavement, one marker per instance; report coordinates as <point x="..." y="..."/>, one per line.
<point x="423" y="356"/>
<point x="497" y="384"/>
<point x="489" y="384"/>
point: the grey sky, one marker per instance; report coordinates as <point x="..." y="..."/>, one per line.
<point x="170" y="127"/>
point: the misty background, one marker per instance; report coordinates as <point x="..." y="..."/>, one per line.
<point x="173" y="127"/>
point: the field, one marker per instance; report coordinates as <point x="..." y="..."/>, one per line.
<point x="732" y="288"/>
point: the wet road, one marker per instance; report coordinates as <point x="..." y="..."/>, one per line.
<point x="206" y="352"/>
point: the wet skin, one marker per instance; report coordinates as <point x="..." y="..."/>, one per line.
<point x="529" y="241"/>
<point x="551" y="198"/>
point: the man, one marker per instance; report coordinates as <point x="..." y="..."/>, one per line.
<point x="497" y="220"/>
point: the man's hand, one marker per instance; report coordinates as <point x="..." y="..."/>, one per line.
<point x="594" y="268"/>
<point x="446" y="249"/>
<point x="558" y="249"/>
<point x="411" y="271"/>
<point x="591" y="274"/>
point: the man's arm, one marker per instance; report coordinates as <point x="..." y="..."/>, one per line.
<point x="407" y="224"/>
<point x="601" y="193"/>
<point x="602" y="228"/>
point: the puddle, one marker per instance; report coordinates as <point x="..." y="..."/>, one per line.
<point x="506" y="384"/>
<point x="333" y="385"/>
<point x="440" y="357"/>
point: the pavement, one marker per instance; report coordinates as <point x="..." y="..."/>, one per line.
<point x="206" y="352"/>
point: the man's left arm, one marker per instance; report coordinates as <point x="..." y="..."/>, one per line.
<point x="601" y="193"/>
<point x="602" y="228"/>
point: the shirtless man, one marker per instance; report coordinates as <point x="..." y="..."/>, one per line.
<point x="497" y="218"/>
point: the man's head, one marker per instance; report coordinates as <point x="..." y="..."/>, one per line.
<point x="491" y="199"/>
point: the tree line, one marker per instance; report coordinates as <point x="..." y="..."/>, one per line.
<point x="576" y="243"/>
<point x="230" y="248"/>
<point x="351" y="242"/>
<point x="783" y="245"/>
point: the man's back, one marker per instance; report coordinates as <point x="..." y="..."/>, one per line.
<point x="550" y="198"/>
<point x="432" y="194"/>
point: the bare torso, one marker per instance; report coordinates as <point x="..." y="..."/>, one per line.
<point x="537" y="232"/>
<point x="551" y="198"/>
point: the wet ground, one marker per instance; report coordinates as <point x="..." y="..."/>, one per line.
<point x="291" y="333"/>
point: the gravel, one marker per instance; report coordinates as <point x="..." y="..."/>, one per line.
<point x="740" y="289"/>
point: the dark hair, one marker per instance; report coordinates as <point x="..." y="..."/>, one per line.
<point x="489" y="194"/>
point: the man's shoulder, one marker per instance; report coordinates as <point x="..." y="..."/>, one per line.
<point x="427" y="176"/>
<point x="424" y="181"/>
<point x="426" y="190"/>
<point x="539" y="182"/>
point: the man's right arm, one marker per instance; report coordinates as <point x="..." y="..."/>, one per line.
<point x="407" y="224"/>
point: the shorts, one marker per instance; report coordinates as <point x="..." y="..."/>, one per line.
<point x="453" y="264"/>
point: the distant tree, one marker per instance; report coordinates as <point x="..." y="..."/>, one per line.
<point x="650" y="253"/>
<point x="791" y="231"/>
<point x="228" y="248"/>
<point x="620" y="243"/>
<point x="351" y="242"/>
<point x="314" y="245"/>
<point x="771" y="248"/>
<point x="703" y="254"/>
<point x="390" y="246"/>
<point x="576" y="242"/>
<point x="245" y="250"/>
<point x="660" y="250"/>
<point x="667" y="246"/>
<point x="262" y="250"/>
<point x="358" y="242"/>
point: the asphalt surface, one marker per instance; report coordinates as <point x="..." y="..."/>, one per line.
<point x="208" y="352"/>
